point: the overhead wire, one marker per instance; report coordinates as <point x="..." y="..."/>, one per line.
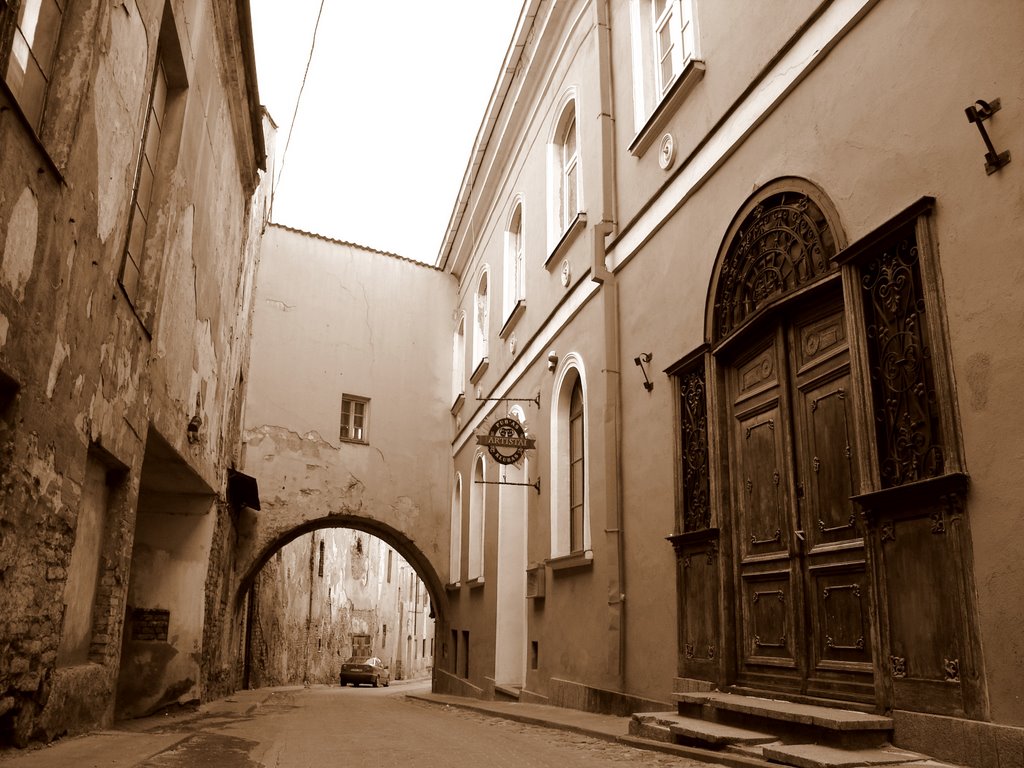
<point x="298" y="99"/>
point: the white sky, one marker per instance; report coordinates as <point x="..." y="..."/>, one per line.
<point x="395" y="95"/>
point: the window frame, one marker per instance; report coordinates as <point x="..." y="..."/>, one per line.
<point x="455" y="552"/>
<point x="345" y="424"/>
<point x="514" y="283"/>
<point x="459" y="364"/>
<point x="481" y="324"/>
<point x="655" y="96"/>
<point x="477" y="521"/>
<point x="565" y="176"/>
<point x="33" y="111"/>
<point x="565" y="551"/>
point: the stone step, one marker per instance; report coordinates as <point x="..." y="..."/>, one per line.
<point x="787" y="711"/>
<point x="717" y="735"/>
<point x="507" y="692"/>
<point x="819" y="756"/>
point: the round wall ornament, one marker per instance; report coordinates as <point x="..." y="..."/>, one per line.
<point x="566" y="274"/>
<point x="667" y="152"/>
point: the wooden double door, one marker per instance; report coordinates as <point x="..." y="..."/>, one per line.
<point x="802" y="594"/>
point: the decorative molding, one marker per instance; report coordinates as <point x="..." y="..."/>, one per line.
<point x="694" y="451"/>
<point x="754" y="541"/>
<point x="898" y="667"/>
<point x="951" y="667"/>
<point x="784" y="244"/>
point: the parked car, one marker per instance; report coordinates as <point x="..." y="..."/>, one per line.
<point x="365" y="669"/>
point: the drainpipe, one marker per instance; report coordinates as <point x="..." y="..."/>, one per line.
<point x="604" y="227"/>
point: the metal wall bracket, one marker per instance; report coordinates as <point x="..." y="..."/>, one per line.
<point x="535" y="400"/>
<point x="978" y="113"/>
<point x="535" y="484"/>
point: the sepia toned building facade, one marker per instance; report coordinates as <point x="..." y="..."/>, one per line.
<point x="744" y="274"/>
<point x="131" y="148"/>
<point x="711" y="392"/>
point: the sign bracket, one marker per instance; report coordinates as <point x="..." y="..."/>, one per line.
<point x="535" y="400"/>
<point x="535" y="484"/>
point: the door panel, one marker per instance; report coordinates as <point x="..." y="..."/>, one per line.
<point x="804" y="610"/>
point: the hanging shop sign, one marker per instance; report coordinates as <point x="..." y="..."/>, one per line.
<point x="506" y="441"/>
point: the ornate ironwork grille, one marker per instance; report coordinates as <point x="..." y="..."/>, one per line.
<point x="784" y="243"/>
<point x="693" y="412"/>
<point x="906" y="413"/>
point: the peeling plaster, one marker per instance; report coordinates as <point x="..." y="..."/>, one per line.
<point x="5" y="326"/>
<point x="120" y="78"/>
<point x="20" y="246"/>
<point x="61" y="352"/>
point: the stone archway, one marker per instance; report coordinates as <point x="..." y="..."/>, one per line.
<point x="274" y="539"/>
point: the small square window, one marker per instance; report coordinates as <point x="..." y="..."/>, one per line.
<point x="354" y="413"/>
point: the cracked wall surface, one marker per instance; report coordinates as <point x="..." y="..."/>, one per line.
<point x="89" y="376"/>
<point x="334" y="319"/>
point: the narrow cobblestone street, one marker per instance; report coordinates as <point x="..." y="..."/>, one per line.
<point x="330" y="726"/>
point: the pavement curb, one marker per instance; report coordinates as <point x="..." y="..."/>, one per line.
<point x="694" y="753"/>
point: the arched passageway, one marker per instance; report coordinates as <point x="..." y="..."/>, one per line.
<point x="332" y="595"/>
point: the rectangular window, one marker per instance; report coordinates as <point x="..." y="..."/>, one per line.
<point x="354" y="411"/>
<point x="145" y="174"/>
<point x="666" y="64"/>
<point x="28" y="42"/>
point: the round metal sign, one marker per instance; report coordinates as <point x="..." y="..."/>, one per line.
<point x="506" y="441"/>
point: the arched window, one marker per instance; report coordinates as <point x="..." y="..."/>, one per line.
<point x="564" y="188"/>
<point x="481" y="319"/>
<point x="570" y="514"/>
<point x="569" y="167"/>
<point x="459" y="359"/>
<point x="515" y="278"/>
<point x="477" y="517"/>
<point x="455" y="555"/>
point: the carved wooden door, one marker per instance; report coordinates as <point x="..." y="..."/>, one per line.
<point x="802" y="592"/>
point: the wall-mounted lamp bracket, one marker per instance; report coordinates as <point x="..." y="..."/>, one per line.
<point x="644" y="357"/>
<point x="978" y="113"/>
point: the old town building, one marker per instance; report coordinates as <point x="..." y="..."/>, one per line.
<point x="710" y="393"/>
<point x="745" y="274"/>
<point x="131" y="143"/>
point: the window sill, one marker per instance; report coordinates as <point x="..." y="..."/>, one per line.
<point x="460" y="400"/>
<point x="571" y="562"/>
<point x="479" y="371"/>
<point x="571" y="233"/>
<point x="353" y="441"/>
<point x="475" y="583"/>
<point x="453" y="586"/>
<point x="513" y="318"/>
<point x="685" y="82"/>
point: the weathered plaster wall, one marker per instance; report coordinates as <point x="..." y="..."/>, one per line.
<point x="81" y="372"/>
<point x="333" y="318"/>
<point x="303" y="622"/>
